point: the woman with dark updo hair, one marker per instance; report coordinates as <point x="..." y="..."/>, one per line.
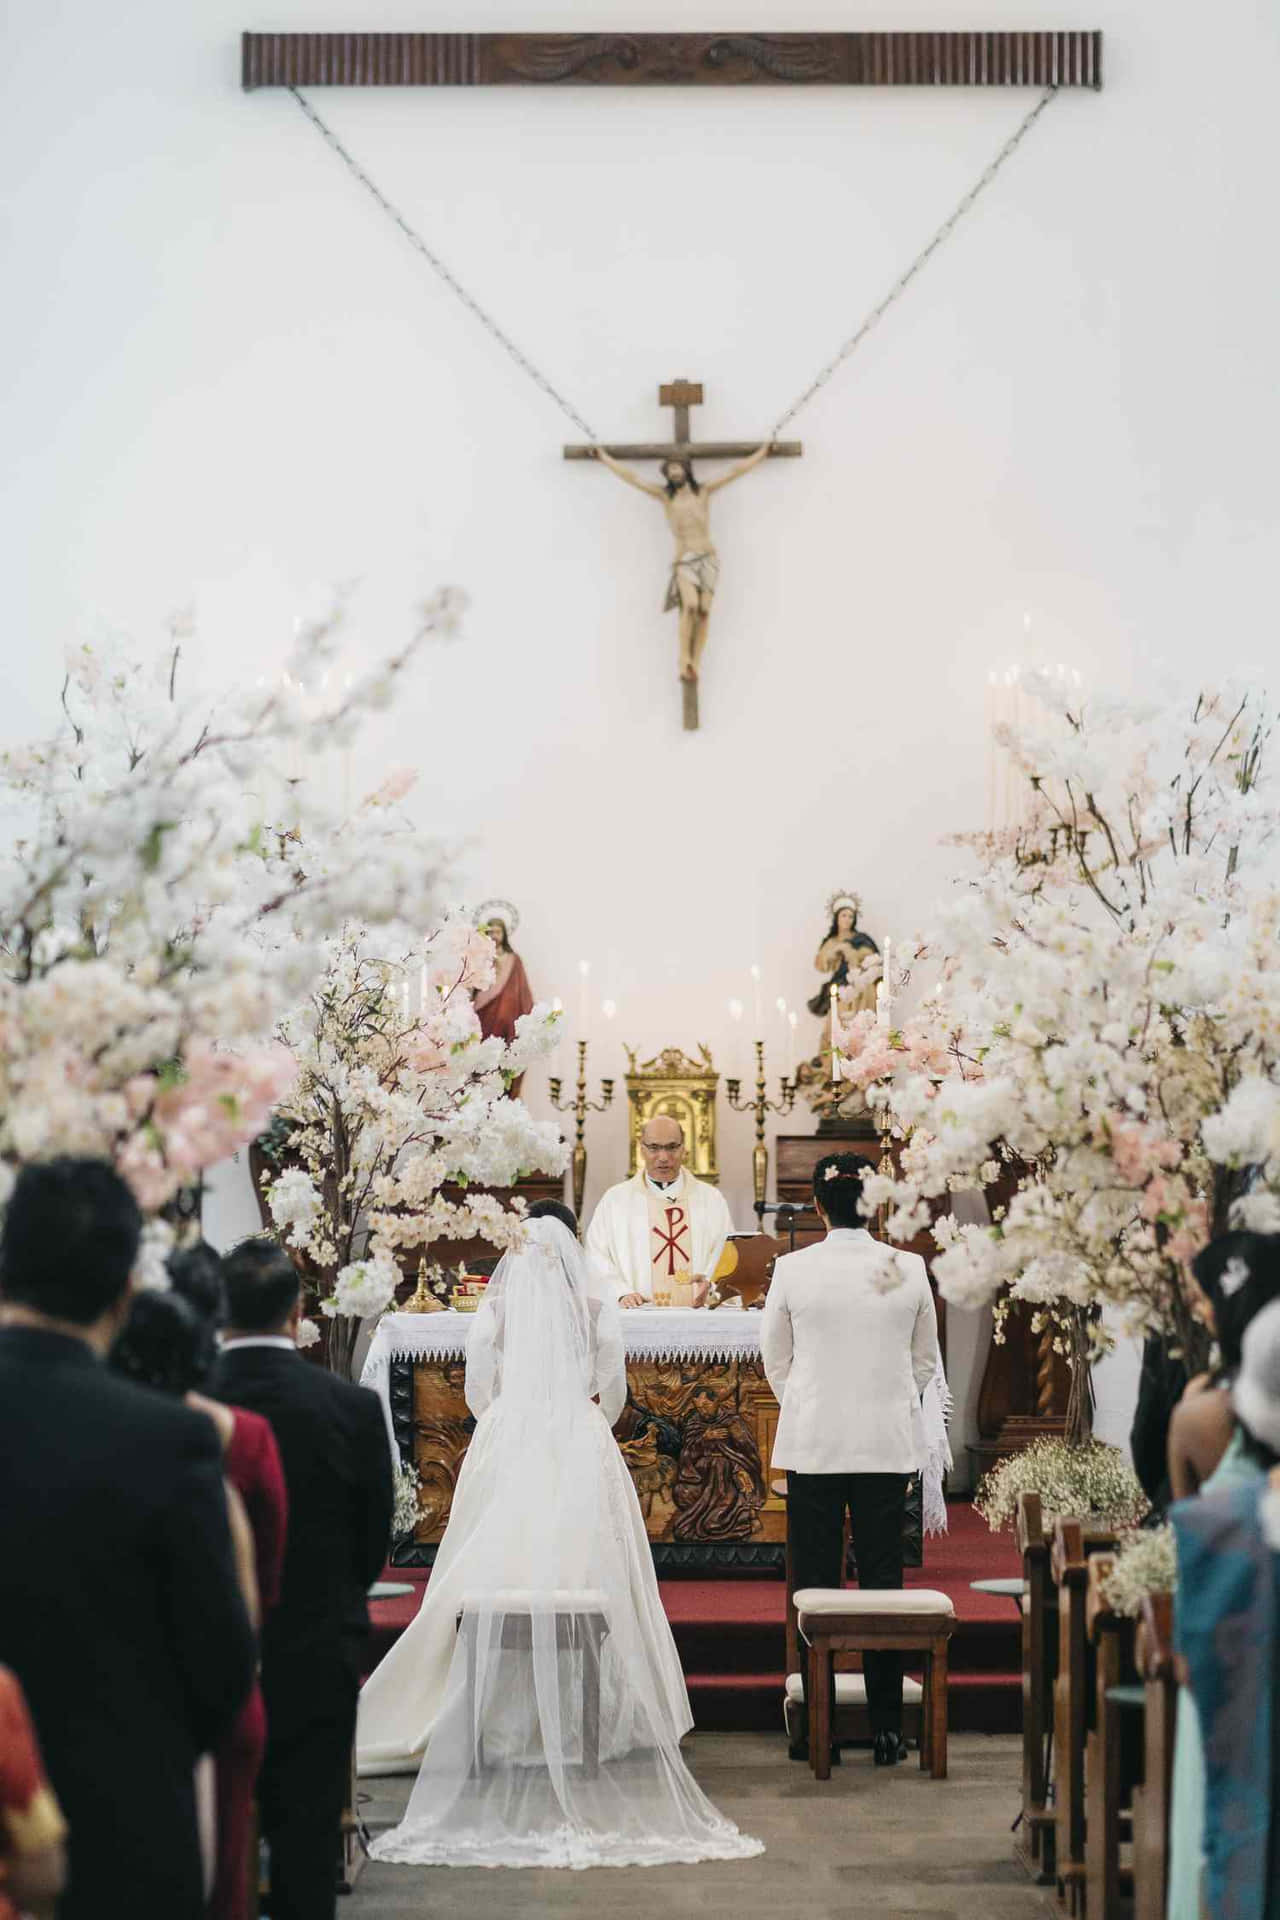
<point x="170" y="1343"/>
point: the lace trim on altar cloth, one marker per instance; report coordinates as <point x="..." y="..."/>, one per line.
<point x="735" y="1337"/>
<point x="568" y="1847"/>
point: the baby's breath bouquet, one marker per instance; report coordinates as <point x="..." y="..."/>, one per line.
<point x="1145" y="1562"/>
<point x="408" y="1487"/>
<point x="1091" y="1482"/>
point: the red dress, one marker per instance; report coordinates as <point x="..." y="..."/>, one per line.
<point x="30" y="1821"/>
<point x="252" y="1465"/>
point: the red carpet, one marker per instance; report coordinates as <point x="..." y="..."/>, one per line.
<point x="730" y="1633"/>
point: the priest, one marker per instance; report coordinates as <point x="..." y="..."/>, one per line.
<point x="661" y="1224"/>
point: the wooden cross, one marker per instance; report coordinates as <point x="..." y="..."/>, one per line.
<point x="680" y="395"/>
<point x="1052" y="60"/>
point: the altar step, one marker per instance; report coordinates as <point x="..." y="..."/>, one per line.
<point x="730" y="1634"/>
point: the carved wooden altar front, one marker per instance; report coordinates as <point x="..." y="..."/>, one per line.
<point x="696" y="1435"/>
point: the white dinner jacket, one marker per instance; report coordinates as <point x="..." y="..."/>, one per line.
<point x="848" y="1358"/>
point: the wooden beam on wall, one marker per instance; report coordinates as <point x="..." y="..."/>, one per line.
<point x="1048" y="59"/>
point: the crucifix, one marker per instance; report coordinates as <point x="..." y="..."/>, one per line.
<point x="695" y="566"/>
<point x="1049" y="61"/>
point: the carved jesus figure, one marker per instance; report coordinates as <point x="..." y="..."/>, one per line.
<point x="696" y="567"/>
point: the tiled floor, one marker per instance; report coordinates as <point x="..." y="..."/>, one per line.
<point x="870" y="1842"/>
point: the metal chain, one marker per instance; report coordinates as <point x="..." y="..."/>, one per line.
<point x="904" y="280"/>
<point x="505" y="341"/>
<point x="438" y="266"/>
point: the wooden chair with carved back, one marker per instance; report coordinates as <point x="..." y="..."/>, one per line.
<point x="1152" y="1800"/>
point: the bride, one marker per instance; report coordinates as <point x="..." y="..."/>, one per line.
<point x="539" y="1685"/>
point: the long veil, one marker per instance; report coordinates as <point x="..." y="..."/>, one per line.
<point x="557" y="1741"/>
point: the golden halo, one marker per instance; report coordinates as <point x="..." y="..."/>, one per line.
<point x="498" y="910"/>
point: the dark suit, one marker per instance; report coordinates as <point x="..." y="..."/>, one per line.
<point x="119" y="1613"/>
<point x="1161" y="1384"/>
<point x="337" y="1467"/>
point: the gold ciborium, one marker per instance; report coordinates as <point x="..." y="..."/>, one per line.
<point x="422" y="1300"/>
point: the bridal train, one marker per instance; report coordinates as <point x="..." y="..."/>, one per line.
<point x="539" y="1686"/>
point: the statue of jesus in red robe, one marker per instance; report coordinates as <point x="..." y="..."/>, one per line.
<point x="501" y="1005"/>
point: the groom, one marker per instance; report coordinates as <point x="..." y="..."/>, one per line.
<point x="849" y="1341"/>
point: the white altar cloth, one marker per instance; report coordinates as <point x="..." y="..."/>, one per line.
<point x="656" y="1333"/>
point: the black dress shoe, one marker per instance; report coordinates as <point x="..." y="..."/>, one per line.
<point x="890" y="1749"/>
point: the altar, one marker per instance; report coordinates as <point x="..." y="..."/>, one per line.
<point x="696" y="1432"/>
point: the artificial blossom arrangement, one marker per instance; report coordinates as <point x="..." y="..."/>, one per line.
<point x="1099" y="1024"/>
<point x="1077" y="1481"/>
<point x="156" y="926"/>
<point x="397" y="1112"/>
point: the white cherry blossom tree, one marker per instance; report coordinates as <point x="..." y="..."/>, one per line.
<point x="1099" y="1011"/>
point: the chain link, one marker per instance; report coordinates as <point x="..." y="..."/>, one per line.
<point x="816" y="385"/>
<point x="438" y="266"/>
<point x="904" y="280"/>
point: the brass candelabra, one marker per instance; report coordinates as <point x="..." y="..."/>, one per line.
<point x="761" y="1106"/>
<point x="580" y="1107"/>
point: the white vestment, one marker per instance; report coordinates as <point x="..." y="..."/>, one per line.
<point x="618" y="1237"/>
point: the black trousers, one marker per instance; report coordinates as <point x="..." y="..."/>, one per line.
<point x="302" y="1792"/>
<point x="816" y="1504"/>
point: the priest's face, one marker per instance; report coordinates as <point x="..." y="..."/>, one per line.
<point x="662" y="1145"/>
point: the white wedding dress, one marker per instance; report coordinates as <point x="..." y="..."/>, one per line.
<point x="539" y="1684"/>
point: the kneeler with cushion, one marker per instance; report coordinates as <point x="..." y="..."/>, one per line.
<point x="581" y="1626"/>
<point x="915" y="1621"/>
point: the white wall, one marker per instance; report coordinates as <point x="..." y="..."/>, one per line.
<point x="237" y="384"/>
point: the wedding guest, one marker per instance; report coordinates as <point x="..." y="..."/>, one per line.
<point x="33" y="1866"/>
<point x="1238" y="1274"/>
<point x="1162" y="1381"/>
<point x="849" y="1341"/>
<point x="1228" y="1631"/>
<point x="337" y="1468"/>
<point x="1209" y="1453"/>
<point x="170" y="1342"/>
<point x="120" y="1611"/>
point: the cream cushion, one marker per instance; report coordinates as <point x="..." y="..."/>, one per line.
<point x="851" y="1698"/>
<point x="527" y="1600"/>
<point x="918" y="1602"/>
<point x="851" y="1690"/>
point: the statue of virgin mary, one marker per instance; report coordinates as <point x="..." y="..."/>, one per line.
<point x="841" y="953"/>
<point x="839" y="958"/>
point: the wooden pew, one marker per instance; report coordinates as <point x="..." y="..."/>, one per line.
<point x="1111" y="1759"/>
<point x="1039" y="1665"/>
<point x="1069" y="1567"/>
<point x="1151" y="1801"/>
